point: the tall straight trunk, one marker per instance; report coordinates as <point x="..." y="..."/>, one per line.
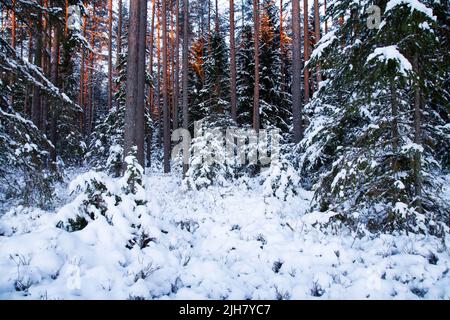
<point x="27" y="107"/>
<point x="209" y="25"/>
<point x="185" y="71"/>
<point x="326" y="20"/>
<point x="13" y="25"/>
<point x="233" y="76"/>
<point x="296" y="72"/>
<point x="217" y="17"/>
<point x="317" y="37"/>
<point x="66" y="26"/>
<point x="394" y="126"/>
<point x="13" y="43"/>
<point x="82" y="81"/>
<point x="91" y="73"/>
<point x="256" y="118"/>
<point x="166" y="111"/>
<point x="151" y="93"/>
<point x="46" y="30"/>
<point x="176" y="78"/>
<point x="36" y="111"/>
<point x="110" y="67"/>
<point x="54" y="78"/>
<point x="417" y="163"/>
<point x="140" y="111"/>
<point x="158" y="89"/>
<point x="132" y="78"/>
<point x="306" y="47"/>
<point x="119" y="33"/>
<point x="282" y="52"/>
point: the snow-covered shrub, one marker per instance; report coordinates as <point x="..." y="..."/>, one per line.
<point x="208" y="162"/>
<point x="281" y="179"/>
<point x="105" y="149"/>
<point x="25" y="170"/>
<point x="119" y="203"/>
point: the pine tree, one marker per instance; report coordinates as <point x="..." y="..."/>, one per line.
<point x="373" y="131"/>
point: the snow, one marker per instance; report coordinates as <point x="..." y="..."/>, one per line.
<point x="391" y="53"/>
<point x="414" y="5"/>
<point x="327" y="40"/>
<point x="229" y="242"/>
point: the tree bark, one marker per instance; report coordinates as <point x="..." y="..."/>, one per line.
<point x="417" y="163"/>
<point x="177" y="66"/>
<point x="256" y="117"/>
<point x="233" y="64"/>
<point x="36" y="111"/>
<point x="151" y="94"/>
<point x="140" y="112"/>
<point x="296" y="72"/>
<point x="306" y="47"/>
<point x="132" y="78"/>
<point x="119" y="33"/>
<point x="217" y="17"/>
<point x="110" y="68"/>
<point x="54" y="77"/>
<point x="185" y="72"/>
<point x="166" y="111"/>
<point x="317" y="38"/>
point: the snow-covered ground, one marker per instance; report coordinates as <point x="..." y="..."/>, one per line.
<point x="222" y="243"/>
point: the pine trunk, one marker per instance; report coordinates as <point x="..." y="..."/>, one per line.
<point x="132" y="78"/>
<point x="166" y="111"/>
<point x="256" y="120"/>
<point x="185" y="71"/>
<point x="296" y="72"/>
<point x="110" y="68"/>
<point x="233" y="76"/>
<point x="306" y="47"/>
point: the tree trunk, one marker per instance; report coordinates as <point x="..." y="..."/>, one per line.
<point x="119" y="33"/>
<point x="151" y="94"/>
<point x="110" y="68"/>
<point x="296" y="72"/>
<point x="177" y="66"/>
<point x="233" y="64"/>
<point x="132" y="78"/>
<point x="282" y="52"/>
<point x="140" y="112"/>
<point x="256" y="120"/>
<point x="326" y="20"/>
<point x="217" y="17"/>
<point x="185" y="72"/>
<point x="13" y="25"/>
<point x="306" y="47"/>
<point x="54" y="77"/>
<point x="46" y="30"/>
<point x="166" y="111"/>
<point x="158" y="90"/>
<point x="417" y="163"/>
<point x="317" y="37"/>
<point x="36" y="111"/>
<point x="82" y="81"/>
<point x="394" y="124"/>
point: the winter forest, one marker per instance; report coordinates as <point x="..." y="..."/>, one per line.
<point x="224" y="149"/>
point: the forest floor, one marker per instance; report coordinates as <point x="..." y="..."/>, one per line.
<point x="221" y="243"/>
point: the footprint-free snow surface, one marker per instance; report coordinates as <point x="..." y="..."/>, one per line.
<point x="222" y="243"/>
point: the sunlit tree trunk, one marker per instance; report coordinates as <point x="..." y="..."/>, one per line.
<point x="256" y="117"/>
<point x="296" y="72"/>
<point x="233" y="64"/>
